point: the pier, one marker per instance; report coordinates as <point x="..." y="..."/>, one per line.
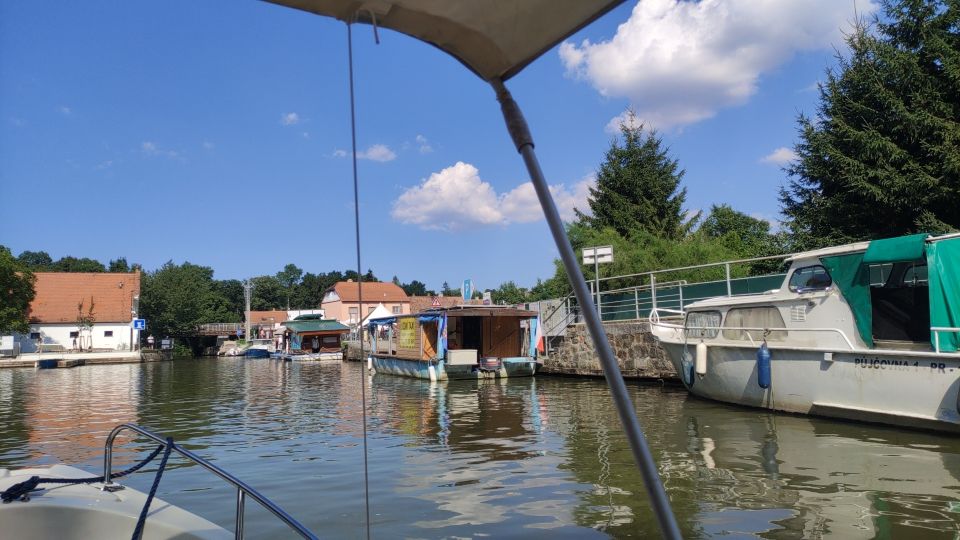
<point x="74" y="359"/>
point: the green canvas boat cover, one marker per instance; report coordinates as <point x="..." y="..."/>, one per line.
<point x="943" y="270"/>
<point x="852" y="277"/>
<point x="889" y="250"/>
<point x="300" y="326"/>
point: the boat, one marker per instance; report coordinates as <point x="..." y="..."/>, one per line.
<point x="259" y="348"/>
<point x="462" y="342"/>
<point x="313" y="338"/>
<point x="867" y="331"/>
<point x="68" y="503"/>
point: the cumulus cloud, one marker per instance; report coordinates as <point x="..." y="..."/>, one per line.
<point x="424" y="145"/>
<point x="290" y="119"/>
<point x="377" y="152"/>
<point x="780" y="156"/>
<point x="679" y="62"/>
<point x="456" y="198"/>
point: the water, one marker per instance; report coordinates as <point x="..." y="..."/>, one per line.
<point x="537" y="457"/>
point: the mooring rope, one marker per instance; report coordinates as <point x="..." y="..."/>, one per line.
<point x="356" y="218"/>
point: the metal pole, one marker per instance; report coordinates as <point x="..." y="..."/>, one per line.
<point x="596" y="279"/>
<point x="517" y="126"/>
<point x="653" y="290"/>
<point x="238" y="530"/>
<point x="726" y="267"/>
<point x="247" y="293"/>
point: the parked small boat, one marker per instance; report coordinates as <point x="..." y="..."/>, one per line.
<point x="867" y="331"/>
<point x="313" y="338"/>
<point x="259" y="348"/>
<point x="463" y="342"/>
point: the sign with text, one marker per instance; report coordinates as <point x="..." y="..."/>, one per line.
<point x="408" y="333"/>
<point x="598" y="255"/>
<point x="487" y="298"/>
<point x="139" y="324"/>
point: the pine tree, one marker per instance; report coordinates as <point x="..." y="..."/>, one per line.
<point x="882" y="156"/>
<point x="638" y="188"/>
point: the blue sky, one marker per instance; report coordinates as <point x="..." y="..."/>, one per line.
<point x="218" y="133"/>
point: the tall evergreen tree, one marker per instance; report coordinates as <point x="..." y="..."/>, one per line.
<point x="16" y="293"/>
<point x="638" y="188"/>
<point x="882" y="156"/>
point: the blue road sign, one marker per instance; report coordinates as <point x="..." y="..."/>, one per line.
<point x="467" y="289"/>
<point x="139" y="324"/>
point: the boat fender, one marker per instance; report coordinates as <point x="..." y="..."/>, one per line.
<point x="369" y="363"/>
<point x="701" y="359"/>
<point x="686" y="369"/>
<point x="763" y="366"/>
<point x="433" y="373"/>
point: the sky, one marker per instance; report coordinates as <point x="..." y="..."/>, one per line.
<point x="219" y="133"/>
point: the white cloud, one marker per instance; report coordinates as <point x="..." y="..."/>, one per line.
<point x="679" y="62"/>
<point x="207" y="145"/>
<point x="290" y="119"/>
<point x="150" y="148"/>
<point x="64" y="110"/>
<point x="456" y="198"/>
<point x="424" y="145"/>
<point x="377" y="152"/>
<point x="305" y="134"/>
<point x="780" y="156"/>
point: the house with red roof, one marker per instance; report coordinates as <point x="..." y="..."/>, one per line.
<point x="342" y="301"/>
<point x="80" y="310"/>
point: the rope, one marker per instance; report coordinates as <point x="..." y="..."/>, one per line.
<point x="356" y="215"/>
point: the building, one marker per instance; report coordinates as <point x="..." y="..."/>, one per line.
<point x="423" y="303"/>
<point x="342" y="300"/>
<point x="79" y="310"/>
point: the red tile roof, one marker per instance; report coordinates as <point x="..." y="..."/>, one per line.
<point x="59" y="294"/>
<point x="372" y="292"/>
<point x="268" y="317"/>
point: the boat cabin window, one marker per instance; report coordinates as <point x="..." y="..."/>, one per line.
<point x="761" y="318"/>
<point x="810" y="278"/>
<point x="900" y="304"/>
<point x="702" y="324"/>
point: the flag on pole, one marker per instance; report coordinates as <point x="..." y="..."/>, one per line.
<point x="538" y="341"/>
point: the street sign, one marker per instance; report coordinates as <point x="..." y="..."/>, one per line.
<point x="436" y="302"/>
<point x="601" y="254"/>
<point x="467" y="289"/>
<point x="139" y="324"/>
<point x="487" y="298"/>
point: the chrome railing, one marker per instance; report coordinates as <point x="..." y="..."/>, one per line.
<point x="936" y="334"/>
<point x="243" y="490"/>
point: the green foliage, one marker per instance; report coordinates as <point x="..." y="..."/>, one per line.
<point x="638" y="188"/>
<point x="73" y="264"/>
<point x="882" y="156"/>
<point x="118" y="265"/>
<point x="175" y="299"/>
<point x="36" y="261"/>
<point x="415" y="288"/>
<point x="289" y="278"/>
<point x="509" y="293"/>
<point x="268" y="293"/>
<point x="16" y="293"/>
<point x="231" y="290"/>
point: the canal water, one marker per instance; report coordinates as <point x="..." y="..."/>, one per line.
<point x="541" y="457"/>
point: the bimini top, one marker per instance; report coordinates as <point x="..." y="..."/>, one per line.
<point x="494" y="38"/>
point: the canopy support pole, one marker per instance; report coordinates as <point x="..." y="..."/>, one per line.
<point x="520" y="132"/>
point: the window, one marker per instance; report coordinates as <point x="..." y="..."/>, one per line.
<point x="354" y="314"/>
<point x="810" y="278"/>
<point x="915" y="276"/>
<point x="879" y="273"/>
<point x="703" y="324"/>
<point x="74" y="334"/>
<point x="108" y="333"/>
<point x="396" y="310"/>
<point x="34" y="335"/>
<point x="764" y="317"/>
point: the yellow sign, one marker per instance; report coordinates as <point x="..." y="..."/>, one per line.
<point x="408" y="333"/>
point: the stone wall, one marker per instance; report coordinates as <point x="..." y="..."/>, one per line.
<point x="637" y="352"/>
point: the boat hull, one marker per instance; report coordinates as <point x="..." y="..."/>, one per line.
<point x="889" y="387"/>
<point x="314" y="357"/>
<point x="257" y="353"/>
<point x="441" y="371"/>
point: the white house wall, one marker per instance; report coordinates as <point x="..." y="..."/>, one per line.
<point x="59" y="334"/>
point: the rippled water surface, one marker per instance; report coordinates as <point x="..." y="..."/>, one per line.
<point x="540" y="457"/>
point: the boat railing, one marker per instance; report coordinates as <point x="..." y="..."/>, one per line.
<point x="243" y="490"/>
<point x="656" y="320"/>
<point x="936" y="334"/>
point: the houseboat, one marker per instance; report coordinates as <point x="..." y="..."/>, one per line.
<point x="313" y="338"/>
<point x="867" y="331"/>
<point x="463" y="342"/>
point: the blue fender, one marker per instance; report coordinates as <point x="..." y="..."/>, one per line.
<point x="763" y="366"/>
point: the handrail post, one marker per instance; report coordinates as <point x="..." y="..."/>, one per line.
<point x="936" y="341"/>
<point x="108" y="456"/>
<point x="726" y="267"/>
<point x="238" y="534"/>
<point x="636" y="303"/>
<point x="680" y="288"/>
<point x="653" y="290"/>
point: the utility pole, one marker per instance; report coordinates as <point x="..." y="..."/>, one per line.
<point x="247" y="293"/>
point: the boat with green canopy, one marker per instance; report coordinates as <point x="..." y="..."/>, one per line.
<point x="866" y="331"/>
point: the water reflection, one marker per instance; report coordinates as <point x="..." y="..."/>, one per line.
<point x="524" y="457"/>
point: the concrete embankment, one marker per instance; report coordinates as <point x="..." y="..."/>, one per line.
<point x="74" y="359"/>
<point x="638" y="353"/>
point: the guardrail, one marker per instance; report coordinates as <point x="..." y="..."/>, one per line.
<point x="243" y="490"/>
<point x="936" y="334"/>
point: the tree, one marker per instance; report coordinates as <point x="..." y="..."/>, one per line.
<point x="85" y="322"/>
<point x="289" y="278"/>
<point x="176" y="299"/>
<point x="638" y="188"/>
<point x="36" y="261"/>
<point x="16" y="293"/>
<point x="882" y="156"/>
<point x="415" y="288"/>
<point x="73" y="264"/>
<point x="268" y="293"/>
<point x="118" y="265"/>
<point x="508" y="293"/>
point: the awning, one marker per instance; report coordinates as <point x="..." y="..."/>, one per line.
<point x="890" y="250"/>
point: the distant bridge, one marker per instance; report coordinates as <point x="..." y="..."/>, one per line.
<point x="220" y="329"/>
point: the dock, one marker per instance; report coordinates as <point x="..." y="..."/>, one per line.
<point x="54" y="360"/>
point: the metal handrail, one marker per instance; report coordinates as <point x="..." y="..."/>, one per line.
<point x="936" y="334"/>
<point x="749" y="329"/>
<point x="242" y="488"/>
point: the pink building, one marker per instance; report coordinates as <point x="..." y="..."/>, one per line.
<point x="342" y="300"/>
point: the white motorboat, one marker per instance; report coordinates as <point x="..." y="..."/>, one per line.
<point x="67" y="503"/>
<point x="866" y="331"/>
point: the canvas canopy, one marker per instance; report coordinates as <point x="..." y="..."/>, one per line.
<point x="380" y="312"/>
<point x="889" y="250"/>
<point x="494" y="38"/>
